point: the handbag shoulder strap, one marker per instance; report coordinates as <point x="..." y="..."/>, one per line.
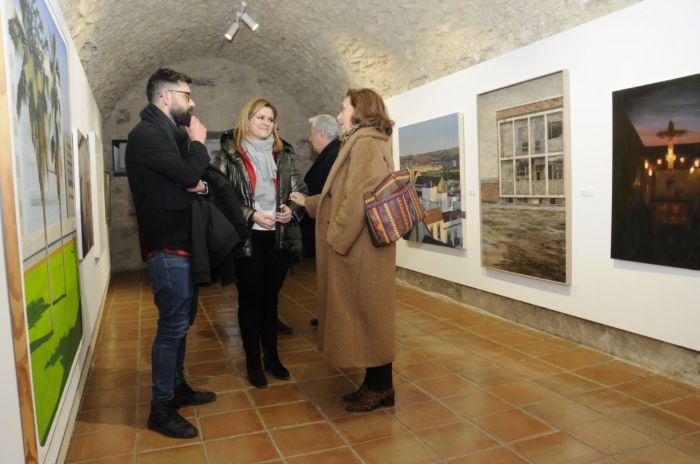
<point x="391" y="173"/>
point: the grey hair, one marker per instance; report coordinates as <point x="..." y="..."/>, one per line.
<point x="326" y="125"/>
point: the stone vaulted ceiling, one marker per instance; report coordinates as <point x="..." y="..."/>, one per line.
<point x="314" y="49"/>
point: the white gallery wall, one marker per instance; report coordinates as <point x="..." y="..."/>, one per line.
<point x="652" y="41"/>
<point x="94" y="279"/>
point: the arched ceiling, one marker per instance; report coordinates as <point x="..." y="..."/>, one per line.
<point x="314" y="49"/>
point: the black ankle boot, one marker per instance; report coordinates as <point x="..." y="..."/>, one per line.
<point x="186" y="396"/>
<point x="256" y="376"/>
<point x="165" y="420"/>
<point x="274" y="366"/>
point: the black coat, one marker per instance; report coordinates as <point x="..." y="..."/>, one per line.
<point x="161" y="165"/>
<point x="218" y="227"/>
<point x="231" y="164"/>
<point x="318" y="172"/>
<point x="314" y="180"/>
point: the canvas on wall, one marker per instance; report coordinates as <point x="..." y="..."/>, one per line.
<point x="656" y="173"/>
<point x="39" y="125"/>
<point x="87" y="233"/>
<point x="431" y="150"/>
<point x="523" y="159"/>
<point x="99" y="225"/>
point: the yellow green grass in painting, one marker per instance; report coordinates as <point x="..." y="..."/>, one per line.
<point x="55" y="329"/>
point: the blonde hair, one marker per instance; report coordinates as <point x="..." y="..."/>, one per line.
<point x="248" y="111"/>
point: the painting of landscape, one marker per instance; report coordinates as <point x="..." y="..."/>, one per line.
<point x="431" y="150"/>
<point x="37" y="86"/>
<point x="523" y="178"/>
<point x="656" y="173"/>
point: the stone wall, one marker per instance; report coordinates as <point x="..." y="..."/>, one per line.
<point x="219" y="90"/>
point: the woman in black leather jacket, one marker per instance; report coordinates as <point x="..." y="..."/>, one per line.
<point x="260" y="166"/>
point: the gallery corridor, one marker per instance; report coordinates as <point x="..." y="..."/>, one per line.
<point x="471" y="388"/>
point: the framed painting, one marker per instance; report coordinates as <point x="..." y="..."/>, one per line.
<point x="432" y="151"/>
<point x="39" y="214"/>
<point x="656" y="173"/>
<point x="99" y="225"/>
<point x="523" y="176"/>
<point x="108" y="197"/>
<point x="118" y="158"/>
<point x="87" y="231"/>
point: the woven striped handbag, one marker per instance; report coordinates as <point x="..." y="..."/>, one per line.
<point x="393" y="208"/>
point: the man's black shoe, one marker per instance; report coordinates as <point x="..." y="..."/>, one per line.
<point x="283" y="328"/>
<point x="314" y="322"/>
<point x="165" y="420"/>
<point x="186" y="396"/>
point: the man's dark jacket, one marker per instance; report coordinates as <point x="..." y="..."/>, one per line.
<point x="319" y="170"/>
<point x="314" y="180"/>
<point x="161" y="165"/>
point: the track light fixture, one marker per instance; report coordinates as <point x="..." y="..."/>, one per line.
<point x="250" y="22"/>
<point x="246" y="18"/>
<point x="232" y="31"/>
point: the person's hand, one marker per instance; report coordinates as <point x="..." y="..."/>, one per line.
<point x="298" y="198"/>
<point x="196" y="130"/>
<point x="284" y="215"/>
<point x="264" y="220"/>
<point x="201" y="187"/>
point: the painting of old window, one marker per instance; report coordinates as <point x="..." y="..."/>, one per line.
<point x="656" y="173"/>
<point x="522" y="159"/>
<point x="431" y="150"/>
<point x="39" y="125"/>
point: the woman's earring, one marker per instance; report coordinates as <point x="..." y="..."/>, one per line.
<point x="247" y="129"/>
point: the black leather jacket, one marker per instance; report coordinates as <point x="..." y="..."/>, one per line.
<point x="230" y="163"/>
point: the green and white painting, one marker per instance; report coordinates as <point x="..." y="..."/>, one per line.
<point x="37" y="81"/>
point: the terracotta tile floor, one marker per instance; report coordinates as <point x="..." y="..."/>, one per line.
<point x="471" y="388"/>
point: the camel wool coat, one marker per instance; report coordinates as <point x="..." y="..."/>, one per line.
<point x="355" y="278"/>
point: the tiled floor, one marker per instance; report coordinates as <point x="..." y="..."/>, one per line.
<point x="471" y="388"/>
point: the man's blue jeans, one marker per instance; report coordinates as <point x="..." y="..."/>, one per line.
<point x="176" y="299"/>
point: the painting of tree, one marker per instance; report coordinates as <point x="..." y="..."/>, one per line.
<point x="37" y="80"/>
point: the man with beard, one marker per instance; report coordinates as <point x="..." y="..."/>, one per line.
<point x="165" y="158"/>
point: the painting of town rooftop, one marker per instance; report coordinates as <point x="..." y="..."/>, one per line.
<point x="431" y="150"/>
<point x="656" y="173"/>
<point x="523" y="178"/>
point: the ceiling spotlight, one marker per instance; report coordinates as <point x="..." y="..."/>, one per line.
<point x="247" y="19"/>
<point x="232" y="31"/>
<point x="250" y="22"/>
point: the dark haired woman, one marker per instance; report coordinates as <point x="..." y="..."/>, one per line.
<point x="260" y="165"/>
<point x="355" y="278"/>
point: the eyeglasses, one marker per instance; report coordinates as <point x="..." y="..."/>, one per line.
<point x="186" y="94"/>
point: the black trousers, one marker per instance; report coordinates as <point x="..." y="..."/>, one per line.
<point x="260" y="278"/>
<point x="379" y="378"/>
<point x="308" y="236"/>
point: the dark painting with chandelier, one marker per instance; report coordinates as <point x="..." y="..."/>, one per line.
<point x="656" y="173"/>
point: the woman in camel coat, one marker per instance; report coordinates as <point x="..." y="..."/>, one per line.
<point x="355" y="278"/>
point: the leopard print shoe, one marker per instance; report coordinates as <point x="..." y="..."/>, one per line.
<point x="354" y="396"/>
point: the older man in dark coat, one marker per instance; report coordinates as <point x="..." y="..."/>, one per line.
<point x="323" y="136"/>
